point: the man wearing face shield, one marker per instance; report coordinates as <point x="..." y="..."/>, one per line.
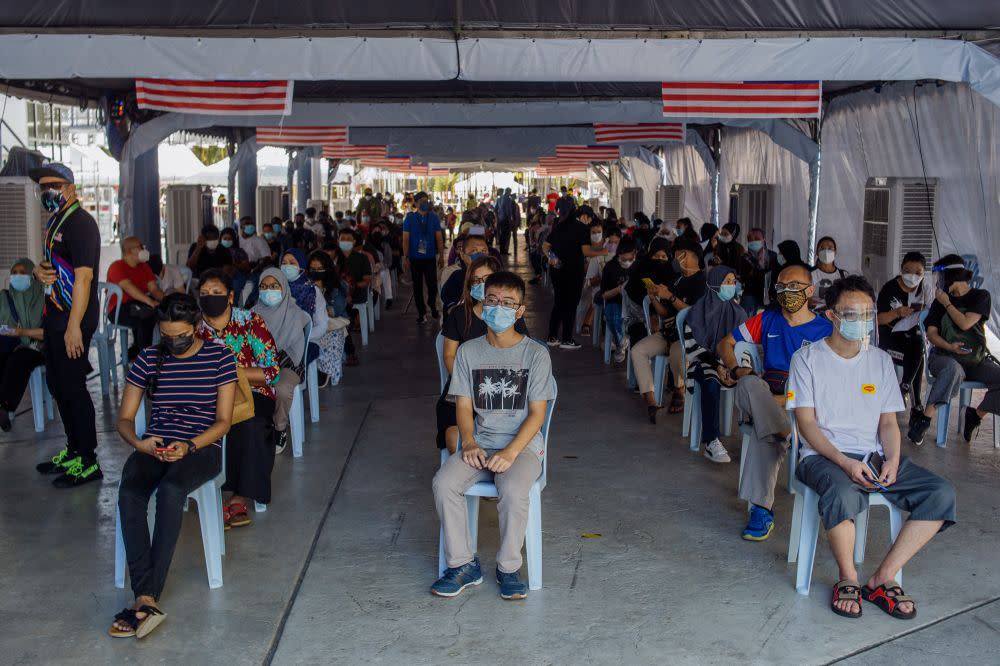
<point x="72" y="253"/>
<point x="956" y="330"/>
<point x="761" y="396"/>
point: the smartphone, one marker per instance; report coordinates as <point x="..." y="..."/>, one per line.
<point x="916" y="307"/>
<point x="965" y="350"/>
<point x="163" y="449"/>
<point x="873" y="461"/>
<point x="647" y="282"/>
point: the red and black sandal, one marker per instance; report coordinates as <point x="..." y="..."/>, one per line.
<point x="888" y="597"/>
<point x="238" y="515"/>
<point x="846" y="590"/>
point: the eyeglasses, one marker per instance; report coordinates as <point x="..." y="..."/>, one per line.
<point x="493" y="301"/>
<point x="855" y="315"/>
<point x="790" y="286"/>
<point x="479" y="280"/>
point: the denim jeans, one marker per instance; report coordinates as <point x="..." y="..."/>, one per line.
<point x="711" y="392"/>
<point x="613" y="315"/>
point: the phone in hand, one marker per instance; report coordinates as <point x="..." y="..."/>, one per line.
<point x="874" y="461"/>
<point x="647" y="282"/>
<point x="965" y="349"/>
<point x="163" y="449"/>
<point x="916" y="307"/>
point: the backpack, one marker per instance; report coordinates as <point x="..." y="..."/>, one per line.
<point x="974" y="339"/>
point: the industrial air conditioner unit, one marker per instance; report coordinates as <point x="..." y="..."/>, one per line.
<point x="268" y="203"/>
<point x="22" y="222"/>
<point x="185" y="218"/>
<point x="318" y="204"/>
<point x="755" y="207"/>
<point x="631" y="202"/>
<point x="900" y="216"/>
<point x="670" y="203"/>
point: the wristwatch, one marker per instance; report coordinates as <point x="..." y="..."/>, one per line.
<point x="192" y="447"/>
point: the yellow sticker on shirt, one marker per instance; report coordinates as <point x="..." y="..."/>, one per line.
<point x="868" y="389"/>
<point x="790" y="395"/>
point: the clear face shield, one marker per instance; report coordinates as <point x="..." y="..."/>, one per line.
<point x="857" y="324"/>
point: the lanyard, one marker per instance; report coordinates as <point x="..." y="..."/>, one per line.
<point x="53" y="229"/>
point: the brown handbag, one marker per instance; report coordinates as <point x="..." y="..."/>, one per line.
<point x="243" y="404"/>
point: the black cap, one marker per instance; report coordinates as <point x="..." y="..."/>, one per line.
<point x="586" y="210"/>
<point x="419" y="195"/>
<point x="52" y="170"/>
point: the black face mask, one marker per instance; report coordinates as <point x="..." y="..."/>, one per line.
<point x="177" y="344"/>
<point x="214" y="305"/>
<point x="317" y="276"/>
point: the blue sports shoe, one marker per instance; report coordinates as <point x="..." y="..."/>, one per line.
<point x="455" y="580"/>
<point x="760" y="525"/>
<point x="511" y="586"/>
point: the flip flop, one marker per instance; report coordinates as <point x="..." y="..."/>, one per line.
<point x="154" y="616"/>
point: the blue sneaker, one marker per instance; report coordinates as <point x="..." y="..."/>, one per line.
<point x="455" y="580"/>
<point x="760" y="525"/>
<point x="511" y="586"/>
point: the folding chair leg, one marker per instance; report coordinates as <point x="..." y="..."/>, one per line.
<point x="37" y="389"/>
<point x="695" y="427"/>
<point x="533" y="539"/>
<point x="296" y="422"/>
<point x="807" y="542"/>
<point x="312" y="382"/>
<point x="210" y="517"/>
<point x="796" y="529"/>
<point x="659" y="378"/>
<point x="472" y="504"/>
<point x="441" y="563"/>
<point x="728" y="398"/>
<point x="119" y="552"/>
<point x="363" y="322"/>
<point x="943" y="414"/>
<point x="597" y="326"/>
<point x="860" y="536"/>
<point x="102" y="366"/>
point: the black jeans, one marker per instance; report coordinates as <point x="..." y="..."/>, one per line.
<point x="506" y="228"/>
<point x="15" y="370"/>
<point x="907" y="349"/>
<point x="141" y="477"/>
<point x="139" y="317"/>
<point x="67" y="380"/>
<point x="568" y="288"/>
<point x="424" y="272"/>
<point x="250" y="453"/>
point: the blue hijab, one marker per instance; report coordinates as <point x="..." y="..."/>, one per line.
<point x="303" y="291"/>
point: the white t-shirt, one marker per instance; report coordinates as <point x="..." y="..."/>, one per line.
<point x="849" y="395"/>
<point x="255" y="247"/>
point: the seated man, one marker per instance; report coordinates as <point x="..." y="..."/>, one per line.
<point x="845" y="395"/>
<point x="356" y="266"/>
<point x="451" y="292"/>
<point x="781" y="333"/>
<point x="501" y="382"/>
<point x="140" y="293"/>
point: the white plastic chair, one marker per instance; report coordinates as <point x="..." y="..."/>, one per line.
<point x="533" y="531"/>
<point x="297" y="412"/>
<point x="208" y="497"/>
<point x="187" y="274"/>
<point x="691" y="423"/>
<point x="105" y="336"/>
<point x="312" y="383"/>
<point x="442" y="368"/>
<point x="370" y="307"/>
<point x="964" y="396"/>
<point x="41" y="399"/>
<point x="363" y="320"/>
<point x="806" y="521"/>
<point x="597" y="327"/>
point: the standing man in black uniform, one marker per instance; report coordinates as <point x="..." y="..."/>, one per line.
<point x="72" y="253"/>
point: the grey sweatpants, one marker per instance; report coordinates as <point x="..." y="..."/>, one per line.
<point x="949" y="374"/>
<point x="921" y="492"/>
<point x="450" y="484"/>
<point x="766" y="446"/>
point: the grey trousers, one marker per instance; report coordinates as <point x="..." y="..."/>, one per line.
<point x="921" y="492"/>
<point x="949" y="374"/>
<point x="765" y="446"/>
<point x="285" y="388"/>
<point x="450" y="484"/>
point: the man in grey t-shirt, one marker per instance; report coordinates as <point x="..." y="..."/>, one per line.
<point x="502" y="383"/>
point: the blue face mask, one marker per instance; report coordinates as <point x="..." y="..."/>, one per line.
<point x="226" y="242"/>
<point x="345" y="246"/>
<point x="478" y="291"/>
<point x="499" y="318"/>
<point x="291" y="272"/>
<point x="474" y="256"/>
<point x="268" y="235"/>
<point x="856" y="330"/>
<point x="727" y="292"/>
<point x="755" y="246"/>
<point x="249" y="229"/>
<point x="20" y="282"/>
<point x="424" y="206"/>
<point x="270" y="297"/>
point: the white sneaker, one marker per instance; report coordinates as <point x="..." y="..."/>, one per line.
<point x="716" y="452"/>
<point x="622" y="351"/>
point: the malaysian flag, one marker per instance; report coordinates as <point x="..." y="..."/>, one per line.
<point x="558" y="162"/>
<point x="347" y="152"/>
<point x="588" y="153"/>
<point x="234" y="98"/>
<point x="639" y="132"/>
<point x="276" y="135"/>
<point x="742" y="99"/>
<point x="387" y="162"/>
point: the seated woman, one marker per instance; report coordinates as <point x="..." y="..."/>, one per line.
<point x="229" y="238"/>
<point x="826" y="271"/>
<point x="956" y="329"/>
<point x="190" y="385"/>
<point x="286" y="322"/>
<point x="464" y="322"/>
<point x="728" y="250"/>
<point x="616" y="273"/>
<point x="306" y="295"/>
<point x="337" y="340"/>
<point x="250" y="446"/>
<point x="899" y="304"/>
<point x="711" y="319"/>
<point x="755" y="268"/>
<point x="21" y="307"/>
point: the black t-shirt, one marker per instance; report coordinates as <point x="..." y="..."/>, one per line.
<point x="567" y="241"/>
<point x="977" y="301"/>
<point x="220" y="257"/>
<point x="454" y="325"/>
<point x="890" y="297"/>
<point x="358" y="267"/>
<point x="687" y="288"/>
<point x="72" y="240"/>
<point x="612" y="276"/>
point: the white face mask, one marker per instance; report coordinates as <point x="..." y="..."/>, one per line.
<point x="725" y="238"/>
<point x="596" y="238"/>
<point x="912" y="280"/>
<point x="826" y="256"/>
<point x="626" y="264"/>
<point x="143" y="255"/>
<point x="211" y="244"/>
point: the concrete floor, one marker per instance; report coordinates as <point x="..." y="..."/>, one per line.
<point x="337" y="570"/>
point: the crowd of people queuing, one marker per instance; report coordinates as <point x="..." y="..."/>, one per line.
<point x="218" y="360"/>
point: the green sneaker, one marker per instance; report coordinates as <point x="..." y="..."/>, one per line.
<point x="59" y="463"/>
<point x="78" y="474"/>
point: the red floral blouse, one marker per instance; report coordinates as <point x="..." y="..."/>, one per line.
<point x="253" y="346"/>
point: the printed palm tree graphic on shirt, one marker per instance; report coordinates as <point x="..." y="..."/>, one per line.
<point x="500" y="388"/>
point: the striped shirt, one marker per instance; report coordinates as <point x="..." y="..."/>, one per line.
<point x="186" y="389"/>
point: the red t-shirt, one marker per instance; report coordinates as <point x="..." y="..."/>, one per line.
<point x="140" y="276"/>
<point x="552" y="198"/>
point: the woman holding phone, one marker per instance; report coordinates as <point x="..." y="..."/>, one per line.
<point x="899" y="304"/>
<point x="190" y="385"/>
